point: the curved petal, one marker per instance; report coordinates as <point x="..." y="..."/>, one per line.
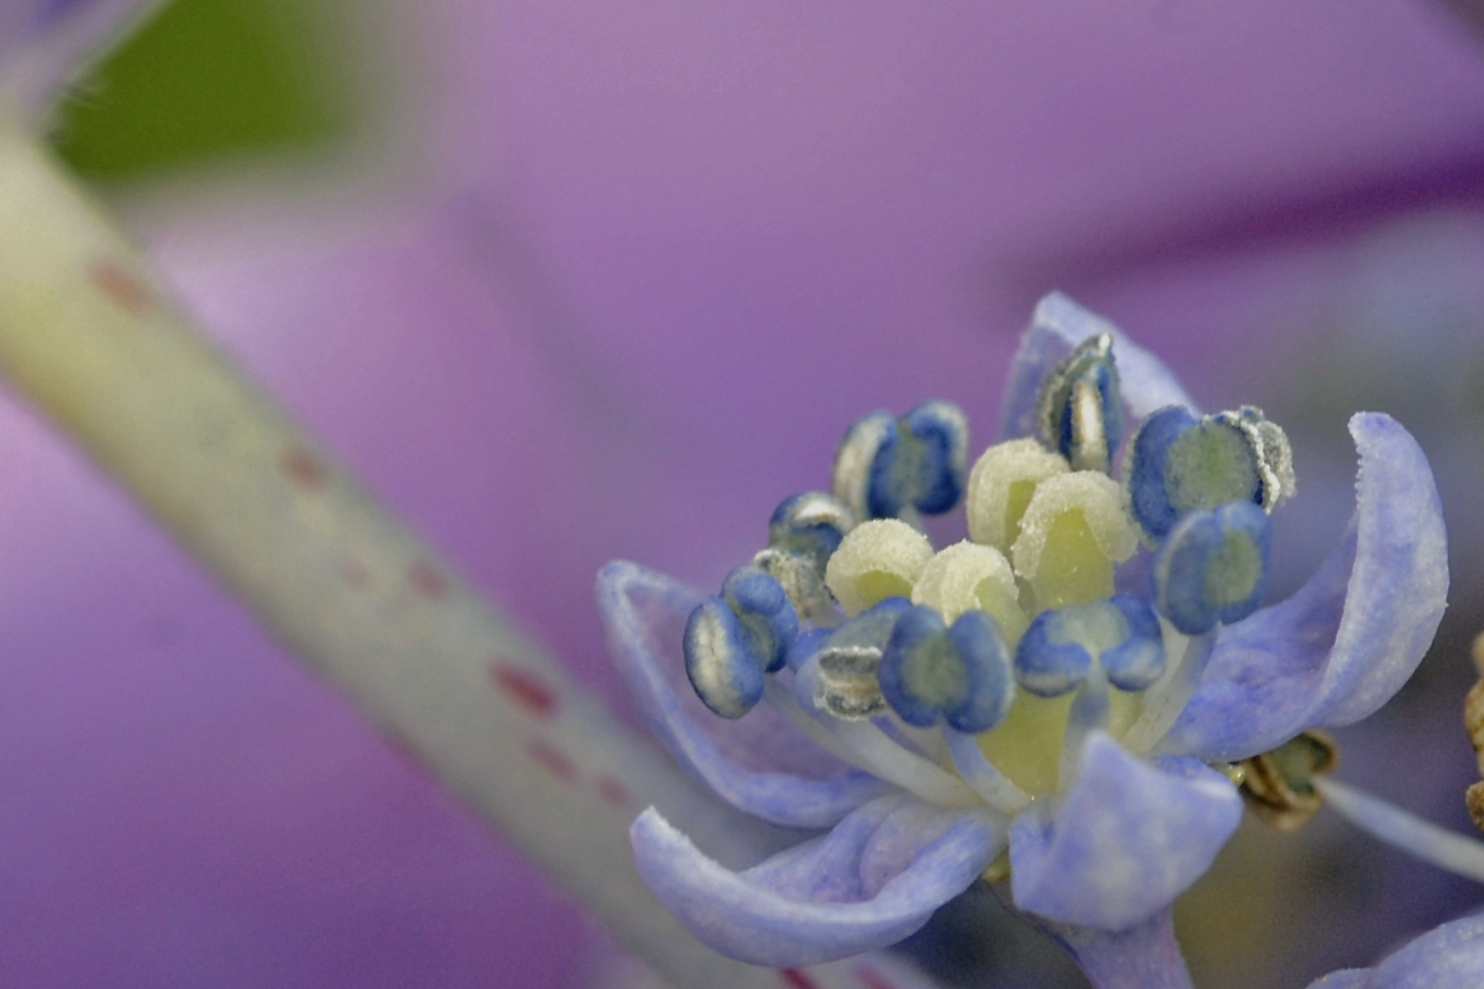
<point x="873" y="880"/>
<point x="1142" y="957"/>
<point x="760" y="764"/>
<point x="1339" y="648"/>
<point x="1128" y="837"/>
<point x="1058" y="325"/>
<point x="1445" y="957"/>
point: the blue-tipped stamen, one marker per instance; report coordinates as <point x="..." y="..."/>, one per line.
<point x="1080" y="409"/>
<point x="802" y="534"/>
<point x="1120" y="635"/>
<point x="1137" y="662"/>
<point x="886" y="467"/>
<point x="849" y="655"/>
<point x="1180" y="463"/>
<point x="1213" y="567"/>
<point x="731" y="641"/>
<point x="958" y="674"/>
<point x="811" y="525"/>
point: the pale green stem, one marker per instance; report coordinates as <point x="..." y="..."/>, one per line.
<point x="89" y="335"/>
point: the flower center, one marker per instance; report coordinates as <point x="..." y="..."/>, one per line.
<point x="976" y="672"/>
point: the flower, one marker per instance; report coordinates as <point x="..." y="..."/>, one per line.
<point x="665" y="174"/>
<point x="1100" y="847"/>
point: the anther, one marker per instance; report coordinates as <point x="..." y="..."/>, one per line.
<point x="886" y="467"/>
<point x="804" y="532"/>
<point x="959" y="674"/>
<point x="849" y="655"/>
<point x="1279" y="785"/>
<point x="1079" y="409"/>
<point x="731" y="641"/>
<point x="1213" y="567"/>
<point x="1180" y="463"/>
<point x="1120" y="634"/>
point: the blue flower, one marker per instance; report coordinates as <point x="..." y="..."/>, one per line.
<point x="1096" y="724"/>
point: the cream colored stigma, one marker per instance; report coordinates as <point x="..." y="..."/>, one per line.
<point x="1073" y="533"/>
<point x="875" y="561"/>
<point x="966" y="576"/>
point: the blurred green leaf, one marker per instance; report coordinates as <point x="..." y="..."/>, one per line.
<point x="204" y="81"/>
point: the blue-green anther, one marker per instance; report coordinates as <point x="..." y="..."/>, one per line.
<point x="1080" y="410"/>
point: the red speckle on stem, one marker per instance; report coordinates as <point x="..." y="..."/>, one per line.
<point x="872" y="979"/>
<point x="614" y="792"/>
<point x="428" y="580"/>
<point x="303" y="469"/>
<point x="554" y="760"/>
<point x="524" y="688"/>
<point x="121" y="287"/>
<point x="796" y="979"/>
<point x="356" y="575"/>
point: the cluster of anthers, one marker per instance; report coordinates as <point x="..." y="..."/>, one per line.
<point x="1022" y="639"/>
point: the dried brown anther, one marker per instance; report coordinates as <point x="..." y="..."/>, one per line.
<point x="1473" y="723"/>
<point x="1278" y="786"/>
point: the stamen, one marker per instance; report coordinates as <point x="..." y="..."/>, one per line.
<point x="1180" y="463"/>
<point x="811" y="524"/>
<point x="1090" y="712"/>
<point x="864" y="746"/>
<point x="849" y="655"/>
<point x="804" y="531"/>
<point x="876" y="560"/>
<point x="969" y="577"/>
<point x="1278" y="786"/>
<point x="981" y="774"/>
<point x="1400" y="829"/>
<point x="1071" y="535"/>
<point x="1079" y="409"/>
<point x="1119" y="636"/>
<point x="959" y="674"/>
<point x="1213" y="567"/>
<point x="731" y="641"/>
<point x="1165" y="701"/>
<point x="1000" y="489"/>
<point x="886" y="467"/>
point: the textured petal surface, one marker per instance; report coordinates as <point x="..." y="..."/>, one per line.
<point x="1448" y="957"/>
<point x="1128" y="837"/>
<point x="1339" y="648"/>
<point x="873" y="880"/>
<point x="1142" y="957"/>
<point x="645" y="613"/>
<point x="1058" y="325"/>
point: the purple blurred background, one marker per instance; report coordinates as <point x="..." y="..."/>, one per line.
<point x="655" y="257"/>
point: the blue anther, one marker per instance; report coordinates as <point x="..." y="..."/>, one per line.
<point x="941" y="433"/>
<point x="1139" y="660"/>
<point x="727" y="679"/>
<point x="1049" y="661"/>
<point x="811" y="525"/>
<point x="1121" y="634"/>
<point x="886" y="466"/>
<point x="731" y="641"/>
<point x="846" y="658"/>
<point x="1213" y="567"/>
<point x="769" y="622"/>
<point x="1080" y="408"/>
<point x="959" y="674"/>
<point x="1180" y="463"/>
